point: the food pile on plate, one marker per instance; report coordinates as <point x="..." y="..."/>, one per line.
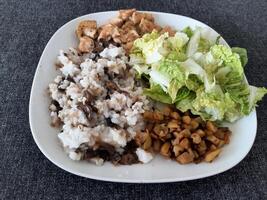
<point x="132" y="89"/>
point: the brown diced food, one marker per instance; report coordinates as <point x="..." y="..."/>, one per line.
<point x="173" y="124"/>
<point x="196" y="138"/>
<point x="147" y="26"/>
<point x="127" y="26"/>
<point x="186" y="119"/>
<point x="149" y="17"/>
<point x="86" y="44"/>
<point x="198" y="119"/>
<point x="156" y="145"/>
<point x="195" y="154"/>
<point x="191" y="153"/>
<point x="116" y="21"/>
<point x="128" y="46"/>
<point x="163" y="133"/>
<point x="139" y="138"/>
<point x="169" y="30"/>
<point x="87" y="28"/>
<point x="158" y="116"/>
<point x="213" y="139"/>
<point x="123" y="36"/>
<point x="154" y="136"/>
<point x="166" y="111"/>
<point x="185" y="143"/>
<point x="178" y="142"/>
<point x="125" y="14"/>
<point x="148" y="115"/>
<point x="212" y="147"/>
<point x="175" y="129"/>
<point x="202" y="147"/>
<point x="149" y="126"/>
<point x="194" y="124"/>
<point x="175" y="115"/>
<point x="212" y="155"/>
<point x="118" y="40"/>
<point x="160" y="130"/>
<point x="221" y="144"/>
<point x="137" y="17"/>
<point x="165" y="149"/>
<point x="186" y="133"/>
<point x="186" y="126"/>
<point x="115" y="32"/>
<point x="177" y="150"/>
<point x="106" y="32"/>
<point x="200" y="132"/>
<point x="157" y="128"/>
<point x="208" y="132"/>
<point x="185" y="158"/>
<point x="219" y="134"/>
<point x="227" y="138"/>
<point x="177" y="139"/>
<point x="148" y="142"/>
<point x="211" y="127"/>
<point x="131" y="36"/>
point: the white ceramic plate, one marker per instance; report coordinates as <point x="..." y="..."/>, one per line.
<point x="160" y="169"/>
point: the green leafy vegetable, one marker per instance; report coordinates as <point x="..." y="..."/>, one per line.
<point x="194" y="72"/>
<point x="242" y="54"/>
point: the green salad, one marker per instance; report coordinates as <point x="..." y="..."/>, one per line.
<point x="194" y="72"/>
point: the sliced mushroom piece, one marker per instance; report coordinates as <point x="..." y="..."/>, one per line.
<point x="86" y="44"/>
<point x="185" y="158"/>
<point x="213" y="139"/>
<point x="87" y="28"/>
<point x="165" y="149"/>
<point x="211" y="127"/>
<point x="125" y="14"/>
<point x="177" y="150"/>
<point x="212" y="155"/>
<point x="156" y="145"/>
<point x="196" y="138"/>
<point x="185" y="143"/>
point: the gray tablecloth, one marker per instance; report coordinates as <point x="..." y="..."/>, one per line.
<point x="25" y="28"/>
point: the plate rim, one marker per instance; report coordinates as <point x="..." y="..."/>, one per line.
<point x="122" y="180"/>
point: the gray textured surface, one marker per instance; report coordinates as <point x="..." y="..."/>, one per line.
<point x="25" y="28"/>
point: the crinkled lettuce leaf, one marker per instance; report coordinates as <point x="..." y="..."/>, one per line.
<point x="157" y="93"/>
<point x="242" y="54"/>
<point x="194" y="72"/>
